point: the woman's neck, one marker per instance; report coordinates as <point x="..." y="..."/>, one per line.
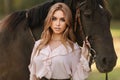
<point x="56" y="37"/>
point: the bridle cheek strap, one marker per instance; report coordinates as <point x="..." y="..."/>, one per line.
<point x="30" y="31"/>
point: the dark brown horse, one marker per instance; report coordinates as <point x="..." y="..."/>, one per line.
<point x="16" y="41"/>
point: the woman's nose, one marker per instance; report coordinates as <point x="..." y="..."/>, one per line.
<point x="58" y="22"/>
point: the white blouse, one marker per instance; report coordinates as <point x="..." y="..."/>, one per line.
<point x="60" y="63"/>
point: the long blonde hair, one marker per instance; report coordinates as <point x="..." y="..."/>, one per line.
<point x="47" y="32"/>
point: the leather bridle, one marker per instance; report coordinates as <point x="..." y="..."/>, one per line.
<point x="30" y="31"/>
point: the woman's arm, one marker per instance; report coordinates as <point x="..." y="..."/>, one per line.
<point x="85" y="51"/>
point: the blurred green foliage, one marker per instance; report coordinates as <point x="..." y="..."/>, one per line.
<point x="1" y="6"/>
<point x="18" y="5"/>
<point x="23" y="4"/>
<point x="115" y="8"/>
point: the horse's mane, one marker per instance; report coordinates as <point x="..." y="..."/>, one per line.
<point x="37" y="14"/>
<point x="13" y="19"/>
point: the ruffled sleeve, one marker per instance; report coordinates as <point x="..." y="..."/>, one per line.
<point x="80" y="66"/>
<point x="31" y="66"/>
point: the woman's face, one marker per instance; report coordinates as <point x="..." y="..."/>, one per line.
<point x="58" y="22"/>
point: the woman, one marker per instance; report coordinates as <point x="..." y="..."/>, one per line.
<point x="57" y="56"/>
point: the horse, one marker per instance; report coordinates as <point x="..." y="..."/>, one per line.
<point x="20" y="29"/>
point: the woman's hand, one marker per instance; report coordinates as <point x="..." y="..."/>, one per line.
<point x="85" y="48"/>
<point x="86" y="43"/>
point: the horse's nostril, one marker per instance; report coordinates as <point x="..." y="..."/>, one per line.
<point x="104" y="61"/>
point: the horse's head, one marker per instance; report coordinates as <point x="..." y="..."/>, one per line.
<point x="95" y="20"/>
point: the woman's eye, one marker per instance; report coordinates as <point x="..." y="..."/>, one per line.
<point x="62" y="19"/>
<point x="53" y="18"/>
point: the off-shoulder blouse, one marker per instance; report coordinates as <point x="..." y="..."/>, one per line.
<point x="60" y="63"/>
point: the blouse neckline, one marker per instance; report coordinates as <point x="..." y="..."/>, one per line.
<point x="54" y="48"/>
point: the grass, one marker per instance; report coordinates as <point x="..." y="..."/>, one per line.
<point x="113" y="75"/>
<point x="115" y="28"/>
